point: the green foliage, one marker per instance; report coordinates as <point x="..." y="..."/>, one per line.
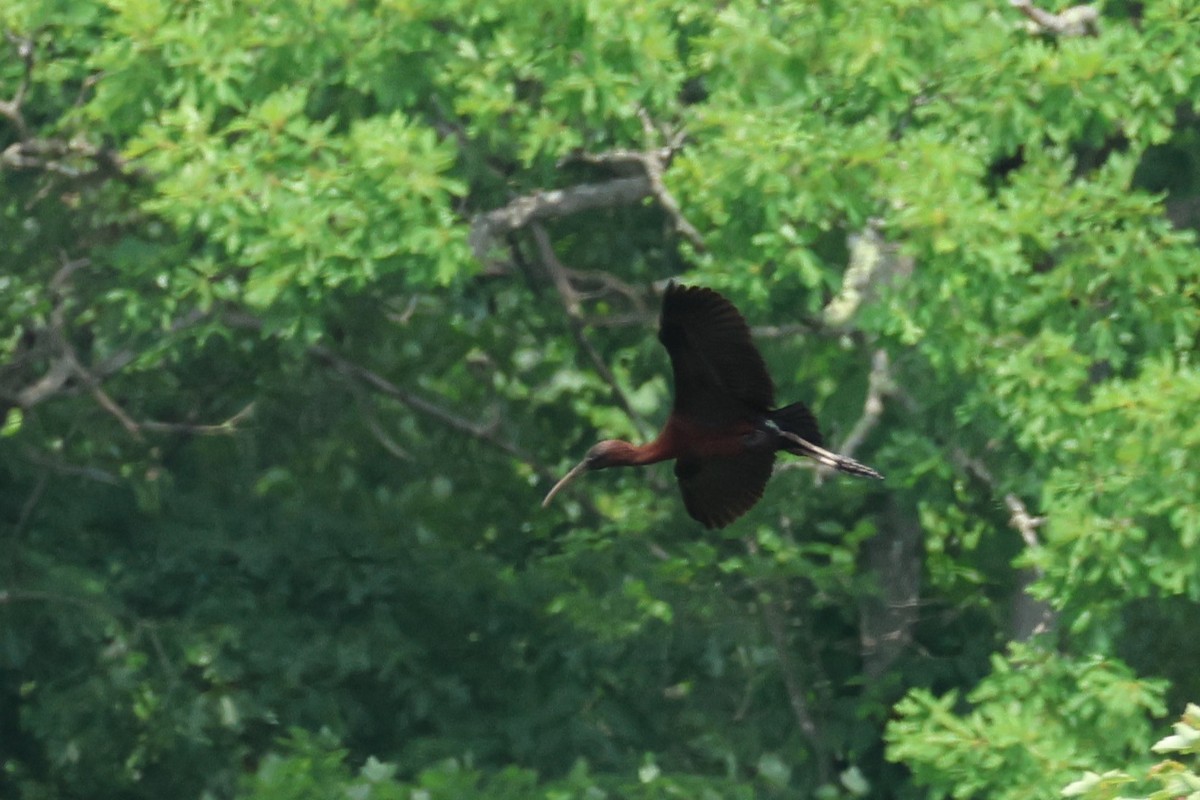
<point x="1034" y="721"/>
<point x="277" y="419"/>
<point x="1175" y="777"/>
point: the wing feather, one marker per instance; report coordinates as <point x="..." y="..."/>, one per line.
<point x="720" y="377"/>
<point x="716" y="491"/>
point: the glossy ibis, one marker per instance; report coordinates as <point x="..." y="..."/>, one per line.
<point x="722" y="432"/>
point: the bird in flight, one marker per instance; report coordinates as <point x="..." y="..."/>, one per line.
<point x="723" y="430"/>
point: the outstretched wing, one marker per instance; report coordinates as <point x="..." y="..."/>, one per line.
<point x="720" y="378"/>
<point x="716" y="491"/>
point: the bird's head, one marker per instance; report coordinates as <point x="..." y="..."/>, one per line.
<point x="609" y="453"/>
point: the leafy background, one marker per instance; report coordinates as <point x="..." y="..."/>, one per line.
<point x="297" y="332"/>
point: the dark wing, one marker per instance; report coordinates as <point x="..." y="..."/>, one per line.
<point x="716" y="491"/>
<point x="720" y="377"/>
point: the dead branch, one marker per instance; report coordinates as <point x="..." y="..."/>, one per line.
<point x="1025" y="523"/>
<point x="773" y="619"/>
<point x="1082" y="20"/>
<point x="879" y="385"/>
<point x="1030" y="616"/>
<point x="30" y="504"/>
<point x="570" y="302"/>
<point x="486" y="228"/>
<point x="12" y="108"/>
<point x="609" y="284"/>
<point x="653" y="163"/>
<point x="484" y="433"/>
<point x="74" y="470"/>
<point x="67" y="365"/>
<point x="888" y="618"/>
<point x="363" y="400"/>
<point x="76" y="159"/>
<point x="226" y="428"/>
<point x="873" y="264"/>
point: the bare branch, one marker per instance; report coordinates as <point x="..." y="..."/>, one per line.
<point x="76" y="159"/>
<point x="570" y="302"/>
<point x="487" y="228"/>
<point x="1025" y="523"/>
<point x="655" y="165"/>
<point x="887" y="618"/>
<point x="67" y="365"/>
<point x="12" y="108"/>
<point x="106" y="402"/>
<point x="879" y="385"/>
<point x="74" y="470"/>
<point x="226" y="428"/>
<point x="1030" y="616"/>
<point x="46" y="386"/>
<point x="30" y="504"/>
<point x="610" y="284"/>
<point x="1082" y="20"/>
<point x="773" y="619"/>
<point x="483" y="433"/>
<point x="626" y="189"/>
<point x="367" y="408"/>
<point x="653" y="162"/>
<point x="873" y="263"/>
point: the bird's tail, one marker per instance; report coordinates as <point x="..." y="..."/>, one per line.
<point x="797" y="425"/>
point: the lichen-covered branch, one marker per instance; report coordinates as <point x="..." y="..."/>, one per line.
<point x="1082" y="20"/>
<point x="487" y="228"/>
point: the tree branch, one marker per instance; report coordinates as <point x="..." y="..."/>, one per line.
<point x="570" y="303"/>
<point x="76" y="159"/>
<point x="879" y="386"/>
<point x="486" y="228"/>
<point x="1082" y="20"/>
<point x="67" y="364"/>
<point x="1030" y="616"/>
<point x="12" y="108"/>
<point x="1025" y="523"/>
<point x="484" y="433"/>
<point x="489" y="226"/>
<point x="226" y="428"/>
<point x="873" y="264"/>
<point x="773" y="619"/>
<point x="653" y="163"/>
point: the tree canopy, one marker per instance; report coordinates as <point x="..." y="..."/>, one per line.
<point x="305" y="304"/>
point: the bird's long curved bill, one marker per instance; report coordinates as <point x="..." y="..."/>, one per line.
<point x="575" y="472"/>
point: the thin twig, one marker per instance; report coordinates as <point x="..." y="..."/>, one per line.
<point x="74" y="470"/>
<point x="1031" y="616"/>
<point x="31" y="503"/>
<point x="570" y="302"/>
<point x="655" y="165"/>
<point x="774" y="620"/>
<point x="226" y="428"/>
<point x="484" y="433"/>
<point x="375" y="426"/>
<point x="609" y="284"/>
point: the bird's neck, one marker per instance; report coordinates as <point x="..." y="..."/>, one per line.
<point x="660" y="449"/>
